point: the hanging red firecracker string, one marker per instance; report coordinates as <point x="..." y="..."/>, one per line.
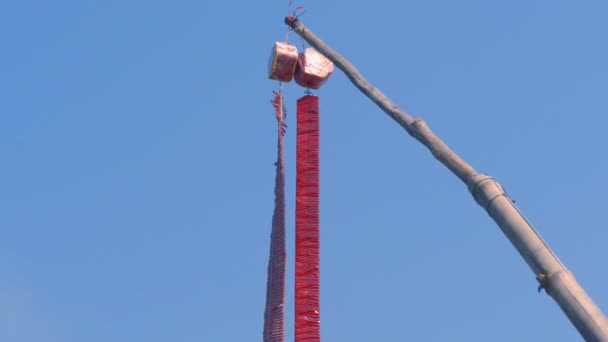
<point x="307" y="324"/>
<point x="310" y="70"/>
<point x="274" y="314"/>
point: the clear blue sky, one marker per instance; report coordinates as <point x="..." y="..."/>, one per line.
<point x="137" y="144"/>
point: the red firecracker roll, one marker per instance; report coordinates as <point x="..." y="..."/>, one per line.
<point x="313" y="69"/>
<point x="283" y="61"/>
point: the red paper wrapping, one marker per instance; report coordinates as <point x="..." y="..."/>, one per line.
<point x="313" y="69"/>
<point x="307" y="321"/>
<point x="283" y="61"/>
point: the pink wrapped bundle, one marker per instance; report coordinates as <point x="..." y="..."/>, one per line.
<point x="283" y="61"/>
<point x="313" y="69"/>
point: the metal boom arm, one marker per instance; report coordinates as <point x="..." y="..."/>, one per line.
<point x="552" y="275"/>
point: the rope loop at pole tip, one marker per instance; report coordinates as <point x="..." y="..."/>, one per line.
<point x="291" y="20"/>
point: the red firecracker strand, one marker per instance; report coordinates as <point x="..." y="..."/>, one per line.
<point x="307" y="320"/>
<point x="274" y="314"/>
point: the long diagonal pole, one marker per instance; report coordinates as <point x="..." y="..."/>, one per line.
<point x="551" y="274"/>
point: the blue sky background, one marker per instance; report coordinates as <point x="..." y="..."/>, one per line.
<point x="137" y="144"/>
